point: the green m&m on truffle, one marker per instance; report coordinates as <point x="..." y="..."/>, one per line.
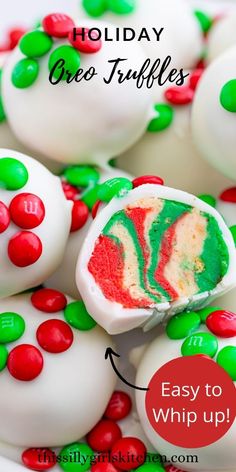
<point x="35" y="44"/>
<point x="13" y="174"/>
<point x="25" y="73"/>
<point x="228" y="96"/>
<point x="200" y="343"/>
<point x="64" y="58"/>
<point x="3" y="357"/>
<point x="81" y="176"/>
<point x="227" y="360"/>
<point x="121" y="7"/>
<point x="116" y="187"/>
<point x="77" y="316"/>
<point x="182" y="325"/>
<point x="12" y="327"/>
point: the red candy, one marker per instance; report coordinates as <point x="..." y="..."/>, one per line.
<point x="24" y="249"/>
<point x="103" y="466"/>
<point x="25" y="362"/>
<point x="229" y="195"/>
<point x="39" y="459"/>
<point x="54" y="336"/>
<point x="195" y="78"/>
<point x="104" y="435"/>
<point x="27" y="210"/>
<point x="83" y="41"/>
<point x="179" y="95"/>
<point x="58" y="25"/>
<point x="125" y="448"/>
<point x="14" y="36"/>
<point x="71" y="193"/>
<point x="119" y="406"/>
<point x="201" y="64"/>
<point x="48" y="300"/>
<point x="96" y="208"/>
<point x="147" y="179"/>
<point x="222" y="323"/>
<point x="4" y="217"/>
<point x="80" y="214"/>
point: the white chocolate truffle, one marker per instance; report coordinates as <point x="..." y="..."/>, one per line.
<point x="35" y="221"/>
<point x="213" y="117"/>
<point x="90" y="121"/>
<point x="171" y="153"/>
<point x="222" y="36"/>
<point x="226" y="205"/>
<point x="58" y="392"/>
<point x="181" y="39"/>
<point x="220" y="455"/>
<point x="123" y="244"/>
<point x="64" y="277"/>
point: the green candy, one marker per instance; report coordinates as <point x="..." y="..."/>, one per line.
<point x="76" y="450"/>
<point x="228" y="96"/>
<point x="200" y="343"/>
<point x="25" y="73"/>
<point x="209" y="199"/>
<point x="95" y="8"/>
<point x="121" y="7"/>
<point x="150" y="467"/>
<point x="113" y="163"/>
<point x="116" y="187"/>
<point x="81" y="176"/>
<point x="77" y="316"/>
<point x="164" y="118"/>
<point x="2" y="111"/>
<point x="3" y="357"/>
<point x="233" y="232"/>
<point x="13" y="174"/>
<point x="182" y="325"/>
<point x="12" y="327"/>
<point x="90" y="196"/>
<point x="205" y="312"/>
<point x="204" y="19"/>
<point x="71" y="58"/>
<point x="227" y="359"/>
<point x="35" y="44"/>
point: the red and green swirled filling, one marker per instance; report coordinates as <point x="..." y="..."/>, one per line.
<point x="157" y="251"/>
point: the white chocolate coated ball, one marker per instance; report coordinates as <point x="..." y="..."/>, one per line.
<point x="213" y="126"/>
<point x="222" y="36"/>
<point x="216" y="457"/>
<point x="182" y="38"/>
<point x="171" y="153"/>
<point x="80" y="122"/>
<point x="53" y="231"/>
<point x="70" y="394"/>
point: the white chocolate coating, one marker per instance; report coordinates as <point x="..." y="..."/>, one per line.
<point x="53" y="231"/>
<point x="216" y="457"/>
<point x="69" y="396"/>
<point x="182" y="37"/>
<point x="172" y="155"/>
<point x="113" y="316"/>
<point x="64" y="277"/>
<point x="80" y="122"/>
<point x="213" y="126"/>
<point x="222" y="36"/>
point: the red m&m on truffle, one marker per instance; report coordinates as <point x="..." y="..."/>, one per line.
<point x="125" y="448"/>
<point x="222" y="323"/>
<point x="39" y="459"/>
<point x="4" y="217"/>
<point x="24" y="249"/>
<point x="80" y="214"/>
<point x="25" y="362"/>
<point x="179" y="95"/>
<point x="119" y="406"/>
<point x="48" y="300"/>
<point x="54" y="336"/>
<point x="104" y="435"/>
<point x="147" y="179"/>
<point x="58" y="25"/>
<point x="27" y="210"/>
<point x="85" y="40"/>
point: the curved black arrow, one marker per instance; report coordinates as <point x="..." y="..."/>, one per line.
<point x="109" y="354"/>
